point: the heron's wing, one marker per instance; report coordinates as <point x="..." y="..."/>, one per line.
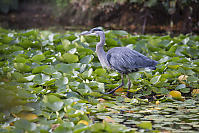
<point x="125" y="60"/>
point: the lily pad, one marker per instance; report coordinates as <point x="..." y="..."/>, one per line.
<point x="53" y="102"/>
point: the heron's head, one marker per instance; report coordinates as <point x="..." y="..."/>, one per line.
<point x="94" y="31"/>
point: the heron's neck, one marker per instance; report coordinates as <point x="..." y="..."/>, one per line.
<point x="102" y="40"/>
<point x="100" y="51"/>
<point x="100" y="44"/>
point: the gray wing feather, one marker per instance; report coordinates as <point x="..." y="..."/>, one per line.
<point x="125" y="60"/>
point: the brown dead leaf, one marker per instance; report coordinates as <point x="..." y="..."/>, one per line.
<point x="27" y="116"/>
<point x="54" y="126"/>
<point x="195" y="91"/>
<point x="101" y="100"/>
<point x="108" y="119"/>
<point x="83" y="122"/>
<point x="157" y="102"/>
<point x="119" y="90"/>
<point x="182" y="78"/>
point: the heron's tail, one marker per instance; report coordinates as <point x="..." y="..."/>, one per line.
<point x="152" y="68"/>
<point x="153" y="65"/>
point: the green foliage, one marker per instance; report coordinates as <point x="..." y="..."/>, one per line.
<point x="145" y="125"/>
<point x="38" y="58"/>
<point x="53" y="102"/>
<point x="69" y="58"/>
<point x="51" y="82"/>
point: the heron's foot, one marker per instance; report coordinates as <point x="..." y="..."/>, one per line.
<point x="107" y="93"/>
<point x="128" y="94"/>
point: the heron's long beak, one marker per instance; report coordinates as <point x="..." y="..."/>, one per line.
<point x="86" y="33"/>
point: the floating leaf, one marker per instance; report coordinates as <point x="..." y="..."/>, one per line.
<point x="30" y="78"/>
<point x="120" y="32"/>
<point x="108" y="119"/>
<point x="100" y="72"/>
<point x="53" y="102"/>
<point x="155" y="79"/>
<point x="61" y="84"/>
<point x="135" y="76"/>
<point x="195" y="92"/>
<point x="83" y="122"/>
<point x="39" y="69"/>
<point x="50" y="82"/>
<point x="19" y="77"/>
<point x="87" y="74"/>
<point x="111" y="42"/>
<point x="49" y="70"/>
<point x="180" y="86"/>
<point x="22" y="67"/>
<point x="192" y="78"/>
<point x="66" y="44"/>
<point x="79" y="128"/>
<point x="84" y="51"/>
<point x="6" y="39"/>
<point x="38" y="58"/>
<point x="27" y="116"/>
<point x="165" y="59"/>
<point x="175" y="94"/>
<point x="101" y="107"/>
<point x="65" y="68"/>
<point x="41" y="79"/>
<point x="185" y="90"/>
<point x="119" y="90"/>
<point x="20" y="59"/>
<point x="69" y="58"/>
<point x="87" y="59"/>
<point x="24" y="125"/>
<point x="182" y="78"/>
<point x="145" y="125"/>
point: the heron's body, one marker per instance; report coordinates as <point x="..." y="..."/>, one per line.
<point x="121" y="59"/>
<point x="125" y="60"/>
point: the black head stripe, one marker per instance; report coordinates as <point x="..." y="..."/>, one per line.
<point x="96" y="29"/>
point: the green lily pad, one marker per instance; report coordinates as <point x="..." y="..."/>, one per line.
<point x="87" y="59"/>
<point x="38" y="58"/>
<point x="155" y="79"/>
<point x="22" y="67"/>
<point x="69" y="58"/>
<point x="41" y="79"/>
<point x="65" y="68"/>
<point x="53" y="102"/>
<point x="145" y="125"/>
<point x="39" y="69"/>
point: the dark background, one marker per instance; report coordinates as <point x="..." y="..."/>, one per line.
<point x="136" y="16"/>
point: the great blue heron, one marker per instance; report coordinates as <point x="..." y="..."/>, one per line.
<point x="121" y="59"/>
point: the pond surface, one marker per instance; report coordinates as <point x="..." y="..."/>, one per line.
<point x="176" y="116"/>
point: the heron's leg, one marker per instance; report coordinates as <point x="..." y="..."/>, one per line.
<point x="122" y="84"/>
<point x="129" y="85"/>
